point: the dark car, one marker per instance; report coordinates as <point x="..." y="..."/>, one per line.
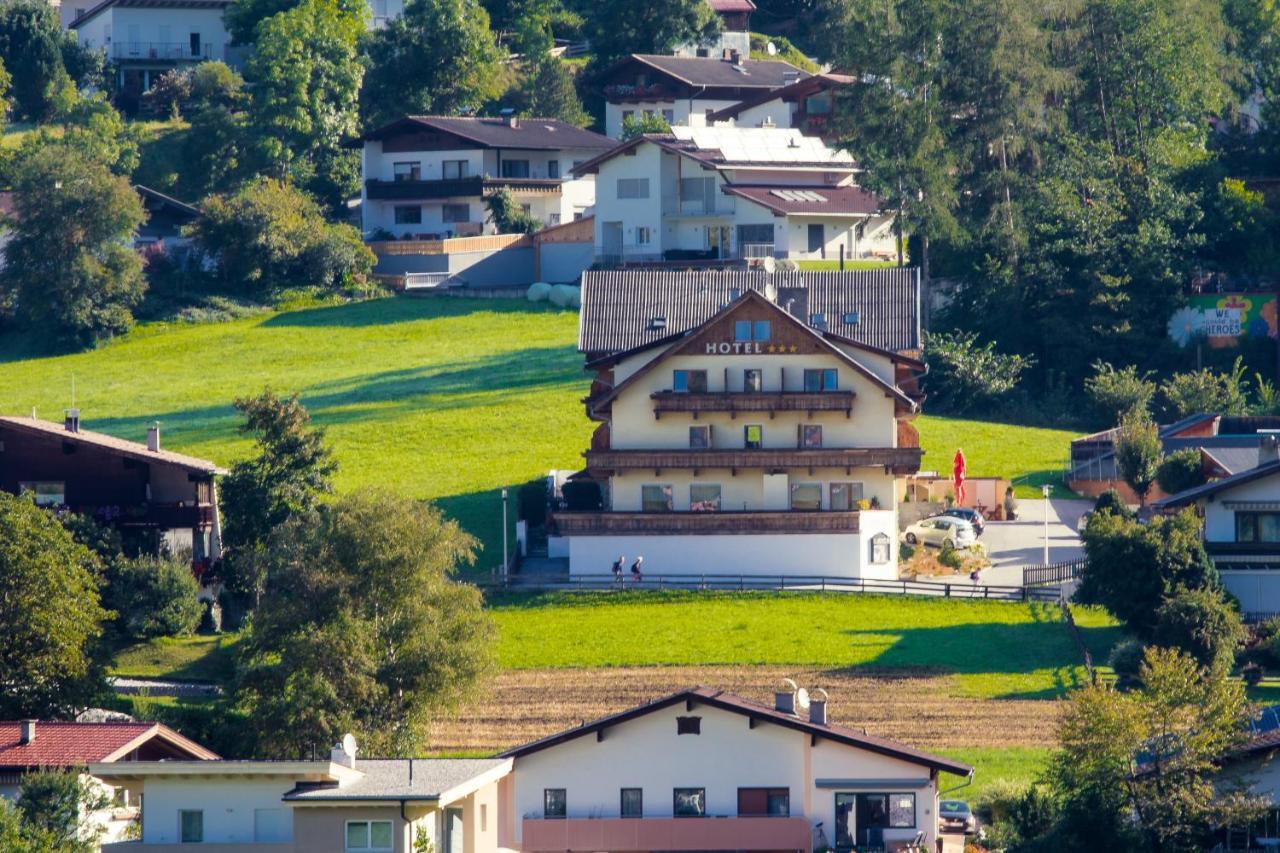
<point x="970" y="515"/>
<point x="956" y="816"/>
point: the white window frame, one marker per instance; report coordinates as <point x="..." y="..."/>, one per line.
<point x="644" y="235"/>
<point x="368" y="835"/>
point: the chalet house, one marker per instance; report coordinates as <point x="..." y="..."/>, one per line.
<point x="30" y="745"/>
<point x="1254" y="766"/>
<point x="339" y="805"/>
<point x="142" y="39"/>
<point x="806" y="105"/>
<point x="702" y="769"/>
<point x="730" y="193"/>
<point x="686" y="89"/>
<point x="145" y="492"/>
<point x="427" y="177"/>
<point x="750" y="424"/>
<point x="1228" y="444"/>
<point x="735" y="30"/>
<point x="1241" y="515"/>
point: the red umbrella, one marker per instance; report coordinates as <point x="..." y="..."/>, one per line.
<point x="957" y="475"/>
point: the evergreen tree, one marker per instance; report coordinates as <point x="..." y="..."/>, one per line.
<point x="546" y="90"/>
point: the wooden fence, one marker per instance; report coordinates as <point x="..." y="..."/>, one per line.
<point x="786" y="583"/>
<point x="1054" y="574"/>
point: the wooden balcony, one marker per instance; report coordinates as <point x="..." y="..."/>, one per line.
<point x="743" y="402"/>
<point x="665" y="833"/>
<point x="701" y="523"/>
<point x="898" y="460"/>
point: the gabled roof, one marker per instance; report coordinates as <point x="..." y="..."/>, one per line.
<point x="755" y="297"/>
<point x="754" y="710"/>
<point x="132" y="449"/>
<point x="421" y="779"/>
<point x="1190" y="496"/>
<point x="799" y="89"/>
<point x="147" y="4"/>
<point x="67" y="744"/>
<point x="808" y="200"/>
<point x="719" y="73"/>
<point x="620" y="307"/>
<point x="743" y="148"/>
<point x="163" y="200"/>
<point x="542" y="134"/>
<point x="723" y="7"/>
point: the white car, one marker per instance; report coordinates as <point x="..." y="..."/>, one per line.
<point x="941" y="530"/>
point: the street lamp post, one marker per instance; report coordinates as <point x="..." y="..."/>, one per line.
<point x="504" y="537"/>
<point x="1044" y="490"/>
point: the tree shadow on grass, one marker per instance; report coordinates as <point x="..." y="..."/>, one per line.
<point x="374" y="397"/>
<point x="405" y="309"/>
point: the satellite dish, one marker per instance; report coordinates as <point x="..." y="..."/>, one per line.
<point x="771" y="49"/>
<point x="349" y="744"/>
<point x="769" y="264"/>
<point x="802" y="699"/>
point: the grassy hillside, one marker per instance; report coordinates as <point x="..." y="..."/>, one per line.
<point x="447" y="399"/>
<point x="1029" y="455"/>
<point x="993" y="649"/>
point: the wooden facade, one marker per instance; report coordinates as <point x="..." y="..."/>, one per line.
<point x="736" y="403"/>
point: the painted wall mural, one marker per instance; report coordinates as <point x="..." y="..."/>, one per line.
<point x="1222" y="319"/>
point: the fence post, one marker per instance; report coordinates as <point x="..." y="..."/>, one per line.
<point x="946" y="590"/>
<point x="1024" y="593"/>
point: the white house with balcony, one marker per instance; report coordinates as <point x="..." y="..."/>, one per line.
<point x="427" y="177"/>
<point x="749" y="424"/>
<point x="145" y="38"/>
<point x="702" y="769"/>
<point x="1241" y="515"/>
<point x="732" y="193"/>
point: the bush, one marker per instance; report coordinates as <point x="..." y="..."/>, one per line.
<point x="1272" y="650"/>
<point x="1251" y="674"/>
<point x="950" y="557"/>
<point x="1180" y="471"/>
<point x="1110" y="501"/>
<point x="905" y="552"/>
<point x="999" y="800"/>
<point x="532" y="502"/>
<point x="1116" y="393"/>
<point x="539" y="291"/>
<point x="1202" y="624"/>
<point x="1206" y="392"/>
<point x="1126" y="660"/>
<point x="964" y="374"/>
<point x="1265" y="630"/>
<point x="154" y="597"/>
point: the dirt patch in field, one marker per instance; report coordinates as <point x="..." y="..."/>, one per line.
<point x="922" y="710"/>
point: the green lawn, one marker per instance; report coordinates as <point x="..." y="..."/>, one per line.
<point x="1017" y="764"/>
<point x="201" y="658"/>
<point x="849" y="264"/>
<point x="994" y="650"/>
<point x="1030" y="456"/>
<point x="440" y="398"/>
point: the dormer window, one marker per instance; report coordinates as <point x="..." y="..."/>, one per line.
<point x="851" y="319"/>
<point x="657" y="324"/>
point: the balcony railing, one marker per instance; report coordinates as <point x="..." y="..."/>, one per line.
<point x="160" y="50"/>
<point x="898" y="460"/>
<point x="755" y="251"/>
<point x="676" y="523"/>
<point x="723" y="206"/>
<point x="457" y="187"/>
<point x="735" y="402"/>
<point x="669" y="833"/>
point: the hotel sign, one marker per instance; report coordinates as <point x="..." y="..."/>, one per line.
<point x="749" y="348"/>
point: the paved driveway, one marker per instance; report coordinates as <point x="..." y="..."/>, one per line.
<point x="1014" y="544"/>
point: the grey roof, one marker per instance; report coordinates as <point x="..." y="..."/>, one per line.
<point x="549" y="134"/>
<point x="619" y="306"/>
<point x="401" y="779"/>
<point x="1234" y="459"/>
<point x="703" y="71"/>
<point x="1208" y="489"/>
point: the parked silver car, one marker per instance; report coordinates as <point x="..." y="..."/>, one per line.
<point x="940" y="531"/>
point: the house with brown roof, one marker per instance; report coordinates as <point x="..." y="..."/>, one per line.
<point x="733" y="194"/>
<point x="427" y="177"/>
<point x="686" y="89"/>
<point x="27" y="746"/>
<point x="147" y="493"/>
<point x="749" y="424"/>
<point x="806" y="105"/>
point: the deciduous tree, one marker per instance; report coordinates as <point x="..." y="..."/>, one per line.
<point x="363" y="628"/>
<point x="50" y="615"/>
<point x="618" y="28"/>
<point x="1137" y="453"/>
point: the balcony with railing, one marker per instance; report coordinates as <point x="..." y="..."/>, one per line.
<point x="740" y="402"/>
<point x="665" y="833"/>
<point x="468" y="187"/>
<point x="695" y="208"/>
<point x="143" y="51"/>
<point x="898" y="460"/>
<point x="702" y="523"/>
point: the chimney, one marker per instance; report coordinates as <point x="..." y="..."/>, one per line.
<point x="344" y="753"/>
<point x="28" y="732"/>
<point x="818" y="707"/>
<point x="785" y="700"/>
<point x="1269" y="446"/>
<point x="153" y="437"/>
<point x="72" y="420"/>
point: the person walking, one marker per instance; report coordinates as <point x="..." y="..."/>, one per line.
<point x="617" y="568"/>
<point x="635" y="569"/>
